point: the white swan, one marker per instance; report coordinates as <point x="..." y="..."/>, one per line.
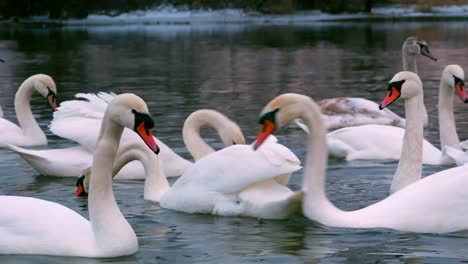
<point x="351" y="111"/>
<point x="39" y="227"/>
<point x="234" y="181"/>
<point x="28" y="133"/>
<point x="435" y="204"/>
<point x="70" y="162"/>
<point x="365" y="142"/>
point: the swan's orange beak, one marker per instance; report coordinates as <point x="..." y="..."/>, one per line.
<point x="147" y="136"/>
<point x="268" y="127"/>
<point x="392" y="95"/>
<point x="460" y="87"/>
<point x="80" y="191"/>
<point x="52" y="103"/>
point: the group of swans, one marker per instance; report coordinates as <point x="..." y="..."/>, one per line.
<point x="216" y="185"/>
<point x="434" y="204"/>
<point x="365" y="142"/>
<point x="87" y="115"/>
<point x="353" y="111"/>
<point x="39" y="227"/>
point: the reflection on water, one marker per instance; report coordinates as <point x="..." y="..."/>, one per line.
<point x="235" y="69"/>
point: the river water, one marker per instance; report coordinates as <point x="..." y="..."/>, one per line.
<point x="235" y="69"/>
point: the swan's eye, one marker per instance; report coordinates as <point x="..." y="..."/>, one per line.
<point x="458" y="81"/>
<point x="395" y="85"/>
<point x="270" y="116"/>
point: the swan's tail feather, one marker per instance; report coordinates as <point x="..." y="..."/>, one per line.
<point x="26" y="154"/>
<point x="87" y="105"/>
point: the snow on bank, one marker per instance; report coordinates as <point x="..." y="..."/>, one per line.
<point x="171" y="15"/>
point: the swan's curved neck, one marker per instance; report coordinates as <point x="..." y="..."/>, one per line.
<point x="23" y="112"/>
<point x="410" y="164"/>
<point x="156" y="184"/>
<point x="409" y="64"/>
<point x="316" y="205"/>
<point x="447" y="127"/>
<point x="104" y="214"/>
<point x="191" y="131"/>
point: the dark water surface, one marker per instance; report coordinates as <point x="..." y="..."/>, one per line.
<point x="236" y="70"/>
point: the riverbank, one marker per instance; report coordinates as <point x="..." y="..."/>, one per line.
<point x="165" y="14"/>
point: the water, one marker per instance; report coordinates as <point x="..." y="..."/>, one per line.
<point x="235" y="69"/>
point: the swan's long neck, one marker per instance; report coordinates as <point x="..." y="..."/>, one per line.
<point x="409" y="64"/>
<point x="447" y="127"/>
<point x="410" y="165"/>
<point x="191" y="132"/>
<point x="316" y="205"/>
<point x="105" y="215"/>
<point x="23" y="112"/>
<point x="409" y="61"/>
<point x="156" y="184"/>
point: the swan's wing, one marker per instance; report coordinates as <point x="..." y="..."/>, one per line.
<point x="234" y="168"/>
<point x="9" y="127"/>
<point x="35" y="226"/>
<point x="87" y="105"/>
<point x="84" y="131"/>
<point x="459" y="156"/>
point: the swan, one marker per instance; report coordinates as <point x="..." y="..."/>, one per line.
<point x="435" y="204"/>
<point x="28" y="133"/>
<point x="352" y="111"/>
<point x="70" y="162"/>
<point x="365" y="142"/>
<point x="34" y="226"/>
<point x="234" y="181"/>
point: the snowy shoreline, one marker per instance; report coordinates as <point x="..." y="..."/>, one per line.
<point x="171" y="15"/>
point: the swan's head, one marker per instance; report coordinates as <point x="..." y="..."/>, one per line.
<point x="413" y="46"/>
<point x="454" y="76"/>
<point x="45" y="86"/>
<point x="279" y="112"/>
<point x="404" y="84"/>
<point x="131" y="111"/>
<point x="82" y="184"/>
<point x="231" y="134"/>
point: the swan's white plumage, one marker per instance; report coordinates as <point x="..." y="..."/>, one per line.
<point x="237" y="181"/>
<point x="16" y="228"/>
<point x="460" y="157"/>
<point x="374" y="142"/>
<point x="434" y="204"/>
<point x="64" y="162"/>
